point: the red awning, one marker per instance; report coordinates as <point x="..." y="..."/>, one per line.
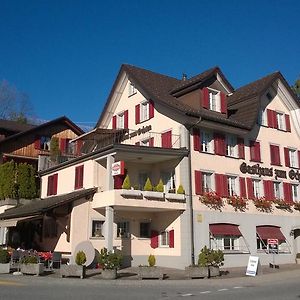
<point x="270" y="232"/>
<point x="224" y="229"/>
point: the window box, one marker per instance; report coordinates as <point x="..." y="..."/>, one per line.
<point x="131" y="193"/>
<point x="32" y="269"/>
<point x="196" y="272"/>
<point x="153" y="195"/>
<point x="175" y="197"/>
<point x="145" y="272"/>
<point x="73" y="270"/>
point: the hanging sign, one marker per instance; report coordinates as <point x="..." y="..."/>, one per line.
<point x="273" y="245"/>
<point x="252" y="266"/>
<point x="117" y="168"/>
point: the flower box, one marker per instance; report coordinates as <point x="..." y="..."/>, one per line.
<point x="175" y="197"/>
<point x="4" y="268"/>
<point x="197" y="272"/>
<point x="214" y="271"/>
<point x="145" y="272"/>
<point x="153" y="195"/>
<point x="239" y="203"/>
<point x="73" y="270"/>
<point x="32" y="269"/>
<point x="263" y="205"/>
<point x="212" y="200"/>
<point x="131" y="193"/>
<point x="109" y="274"/>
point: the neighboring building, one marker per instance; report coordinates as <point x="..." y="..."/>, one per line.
<point x="8" y="128"/>
<point x="201" y="133"/>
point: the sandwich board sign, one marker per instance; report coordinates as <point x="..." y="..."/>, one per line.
<point x="252" y="266"/>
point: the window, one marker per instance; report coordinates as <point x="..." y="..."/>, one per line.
<point x="277" y="190"/>
<point x="257" y="190"/>
<point x="79" y="177"/>
<point x="123" y="229"/>
<point x="144" y="113"/>
<point x="255" y="151"/>
<point x="293" y="158"/>
<point x="145" y="229"/>
<point x="295" y="192"/>
<point x="97" y="228"/>
<point x="121" y="120"/>
<point x="214" y="100"/>
<point x="226" y="243"/>
<point x="164" y="239"/>
<point x="232" y="186"/>
<point x="52" y="185"/>
<point x="45" y="143"/>
<point x="231" y="146"/>
<point x="207" y="144"/>
<point x="280" y="121"/>
<point x="168" y="179"/>
<point x="275" y="155"/>
<point x="131" y="89"/>
<point x="207" y="182"/>
<point x="263" y="118"/>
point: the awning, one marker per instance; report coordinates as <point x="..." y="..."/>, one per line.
<point x="269" y="232"/>
<point x="224" y="229"/>
<point x="14" y="222"/>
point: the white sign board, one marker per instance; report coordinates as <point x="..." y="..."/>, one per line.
<point x="117" y="168"/>
<point x="252" y="265"/>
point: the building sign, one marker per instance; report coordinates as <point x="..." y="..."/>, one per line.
<point x="252" y="266"/>
<point x="117" y="168"/>
<point x="135" y="133"/>
<point x="270" y="172"/>
<point x="273" y="245"/>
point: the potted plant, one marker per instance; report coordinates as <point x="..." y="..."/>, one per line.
<point x="4" y="261"/>
<point x="150" y="271"/>
<point x="212" y="200"/>
<point x="262" y="204"/>
<point x="179" y="196"/>
<point x="109" y="262"/>
<point x="201" y="269"/>
<point x="129" y="192"/>
<point x="298" y="258"/>
<point x="239" y="203"/>
<point x="216" y="261"/>
<point x="76" y="270"/>
<point x="152" y="193"/>
<point x="282" y="204"/>
<point x="30" y="265"/>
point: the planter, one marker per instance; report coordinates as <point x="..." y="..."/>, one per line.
<point x="153" y="195"/>
<point x="4" y="268"/>
<point x="214" y="271"/>
<point x="131" y="193"/>
<point x="109" y="274"/>
<point x="197" y="272"/>
<point x="145" y="272"/>
<point x="32" y="269"/>
<point x="72" y="270"/>
<point x="175" y="197"/>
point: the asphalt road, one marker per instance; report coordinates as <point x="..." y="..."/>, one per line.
<point x="281" y="286"/>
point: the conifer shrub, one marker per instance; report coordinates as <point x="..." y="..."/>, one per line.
<point x="8" y="186"/>
<point x="26" y="181"/>
<point x="80" y="258"/>
<point x="160" y="186"/>
<point x="54" y="149"/>
<point x="180" y="190"/>
<point x="151" y="260"/>
<point x="4" y="256"/>
<point x="148" y="185"/>
<point x="126" y="183"/>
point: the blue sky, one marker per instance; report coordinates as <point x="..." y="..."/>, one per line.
<point x="66" y="54"/>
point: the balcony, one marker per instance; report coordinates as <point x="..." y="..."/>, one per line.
<point x="138" y="200"/>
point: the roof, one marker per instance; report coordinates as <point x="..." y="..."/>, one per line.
<point x="40" y="206"/>
<point x="14" y="126"/>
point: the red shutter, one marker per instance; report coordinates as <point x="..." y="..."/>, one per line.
<point x="241" y="148"/>
<point x="79" y="144"/>
<point x="114" y="122"/>
<point x="196" y="139"/>
<point x="154" y="239"/>
<point x="298" y="158"/>
<point x="287" y="123"/>
<point x="55" y="181"/>
<point x="151" y="109"/>
<point x="37" y="144"/>
<point x="198" y="183"/>
<point x="118" y="181"/>
<point x="225" y="186"/>
<point x="250" y="188"/>
<point x="166" y="139"/>
<point x="223" y="103"/>
<point x="275" y="124"/>
<point x="219" y="142"/>
<point x="219" y="184"/>
<point x="270" y="118"/>
<point x="126" y="119"/>
<point x="255" y="151"/>
<point x="275" y="155"/>
<point x="63" y="145"/>
<point x="49" y="186"/>
<point x="205" y="98"/>
<point x="287" y="157"/>
<point x="268" y="190"/>
<point x="137" y="114"/>
<point x="151" y="142"/>
<point x="76" y="178"/>
<point x="287" y="191"/>
<point x="79" y="177"/>
<point x="243" y="187"/>
<point x="171" y="238"/>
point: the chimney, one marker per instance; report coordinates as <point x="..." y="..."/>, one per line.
<point x="184" y="77"/>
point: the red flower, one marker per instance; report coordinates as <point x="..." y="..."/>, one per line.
<point x="212" y="200"/>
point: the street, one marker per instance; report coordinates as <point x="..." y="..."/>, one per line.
<point x="283" y="285"/>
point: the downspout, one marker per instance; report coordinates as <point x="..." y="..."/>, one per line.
<point x="191" y="195"/>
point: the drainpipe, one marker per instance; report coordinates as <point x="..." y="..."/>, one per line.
<point x="191" y="195"/>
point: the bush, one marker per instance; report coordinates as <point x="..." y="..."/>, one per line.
<point x="26" y="181"/>
<point x="126" y="183"/>
<point x="203" y="258"/>
<point x="151" y="260"/>
<point x="148" y="185"/>
<point x="4" y="256"/>
<point x="31" y="259"/>
<point x="160" y="186"/>
<point x="8" y="187"/>
<point x="80" y="258"/>
<point x="180" y="190"/>
<point x="109" y="260"/>
<point x="54" y="149"/>
<point x="209" y="257"/>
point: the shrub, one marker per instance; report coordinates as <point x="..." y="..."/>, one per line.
<point x="31" y="259"/>
<point x="180" y="190"/>
<point x="126" y="183"/>
<point x="151" y="260"/>
<point x="4" y="256"/>
<point x="203" y="257"/>
<point x="54" y="149"/>
<point x="148" y="185"/>
<point x="109" y="260"/>
<point x="160" y="186"/>
<point x="209" y="257"/>
<point x="8" y="187"/>
<point x="26" y="181"/>
<point x="80" y="258"/>
<point x="217" y="258"/>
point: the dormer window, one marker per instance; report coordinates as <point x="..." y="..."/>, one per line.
<point x="214" y="100"/>
<point x="131" y="89"/>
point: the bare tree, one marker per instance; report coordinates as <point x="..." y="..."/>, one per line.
<point x="14" y="105"/>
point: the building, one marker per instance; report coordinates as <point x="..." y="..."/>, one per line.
<point x="219" y="143"/>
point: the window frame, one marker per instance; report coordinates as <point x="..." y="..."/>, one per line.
<point x="121" y="120"/>
<point x="131" y="89"/>
<point x="231" y="146"/>
<point x="207" y="142"/>
<point x="257" y="187"/>
<point x="231" y="191"/>
<point x="293" y="159"/>
<point x="161" y="239"/>
<point x="214" y="100"/>
<point x="94" y="229"/>
<point x="144" y="111"/>
<point x="147" y="230"/>
<point x="280" y="118"/>
<point x="293" y="186"/>
<point x="126" y="233"/>
<point x="205" y="175"/>
<point x="278" y="189"/>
